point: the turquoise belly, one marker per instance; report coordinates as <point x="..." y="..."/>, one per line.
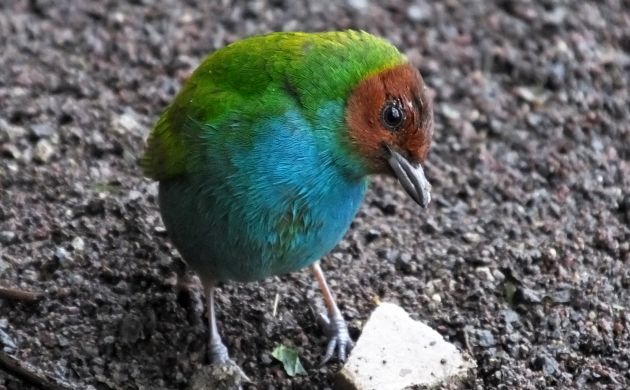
<point x="264" y="211"/>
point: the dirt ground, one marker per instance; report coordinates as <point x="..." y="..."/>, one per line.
<point x="523" y="258"/>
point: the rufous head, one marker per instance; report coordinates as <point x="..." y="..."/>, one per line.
<point x="390" y="118"/>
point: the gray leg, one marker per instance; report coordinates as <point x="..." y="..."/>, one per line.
<point x="217" y="351"/>
<point x="333" y="322"/>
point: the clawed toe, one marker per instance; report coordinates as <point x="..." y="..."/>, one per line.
<point x="217" y="353"/>
<point x="339" y="337"/>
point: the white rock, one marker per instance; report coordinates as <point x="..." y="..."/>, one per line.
<point x="44" y="150"/>
<point x="4" y="265"/>
<point x="127" y="123"/>
<point x="417" y="13"/>
<point x="395" y="352"/>
<point x="359" y="4"/>
<point x="484" y="273"/>
<point x="436" y="298"/>
<point x="78" y="244"/>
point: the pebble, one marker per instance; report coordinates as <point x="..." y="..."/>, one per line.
<point x="510" y="316"/>
<point x="471" y="238"/>
<point x="127" y="123"/>
<point x="78" y="244"/>
<point x="7" y="237"/>
<point x="498" y="275"/>
<point x="42" y="130"/>
<point x="417" y="13"/>
<point x="527" y="295"/>
<point x="7" y="342"/>
<point x="134" y="195"/>
<point x="359" y="4"/>
<point x="62" y="254"/>
<point x="484" y="273"/>
<point x="547" y="364"/>
<point x="485" y="338"/>
<point x="44" y="151"/>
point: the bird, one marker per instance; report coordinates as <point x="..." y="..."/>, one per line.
<point x="264" y="156"/>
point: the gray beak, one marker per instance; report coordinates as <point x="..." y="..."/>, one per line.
<point x="411" y="176"/>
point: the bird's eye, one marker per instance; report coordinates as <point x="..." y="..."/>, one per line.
<point x="392" y="115"/>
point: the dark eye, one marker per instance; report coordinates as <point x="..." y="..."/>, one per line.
<point x="392" y="115"/>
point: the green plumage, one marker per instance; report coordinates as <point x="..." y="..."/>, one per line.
<point x="257" y="78"/>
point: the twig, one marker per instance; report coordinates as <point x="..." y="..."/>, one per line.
<point x="15" y="294"/>
<point x="275" y="304"/>
<point x="32" y="375"/>
<point x="467" y="341"/>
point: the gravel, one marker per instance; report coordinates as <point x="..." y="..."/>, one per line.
<point x="522" y="258"/>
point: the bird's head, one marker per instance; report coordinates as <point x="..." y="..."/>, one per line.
<point x="389" y="115"/>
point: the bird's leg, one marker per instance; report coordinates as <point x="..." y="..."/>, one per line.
<point x="334" y="324"/>
<point x="223" y="372"/>
<point x="217" y="351"/>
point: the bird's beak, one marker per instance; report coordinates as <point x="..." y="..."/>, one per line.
<point x="411" y="176"/>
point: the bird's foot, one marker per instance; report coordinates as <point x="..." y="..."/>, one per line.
<point x="217" y="352"/>
<point x="339" y="337"/>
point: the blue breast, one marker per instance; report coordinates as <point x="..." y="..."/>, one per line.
<point x="271" y="207"/>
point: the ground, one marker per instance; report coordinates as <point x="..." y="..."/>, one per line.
<point x="523" y="257"/>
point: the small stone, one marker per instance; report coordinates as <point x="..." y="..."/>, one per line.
<point x="371" y="235"/>
<point x="395" y="352"/>
<point x="416" y="13"/>
<point x="7" y="342"/>
<point x="7" y="237"/>
<point x="226" y="376"/>
<point x="42" y="130"/>
<point x="62" y="341"/>
<point x="561" y="296"/>
<point x="134" y="195"/>
<point x="449" y="112"/>
<point x="510" y="316"/>
<point x="547" y="364"/>
<point x="485" y="338"/>
<point x="265" y="359"/>
<point x="527" y="295"/>
<point x="551" y="254"/>
<point x="62" y="254"/>
<point x="78" y="244"/>
<point x="436" y="298"/>
<point x="404" y="264"/>
<point x="358" y="4"/>
<point x="11" y="151"/>
<point x="44" y="151"/>
<point x="430" y="227"/>
<point x="127" y="123"/>
<point x="471" y="238"/>
<point x="388" y="254"/>
<point x="13" y="132"/>
<point x="484" y="273"/>
<point x="498" y="275"/>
